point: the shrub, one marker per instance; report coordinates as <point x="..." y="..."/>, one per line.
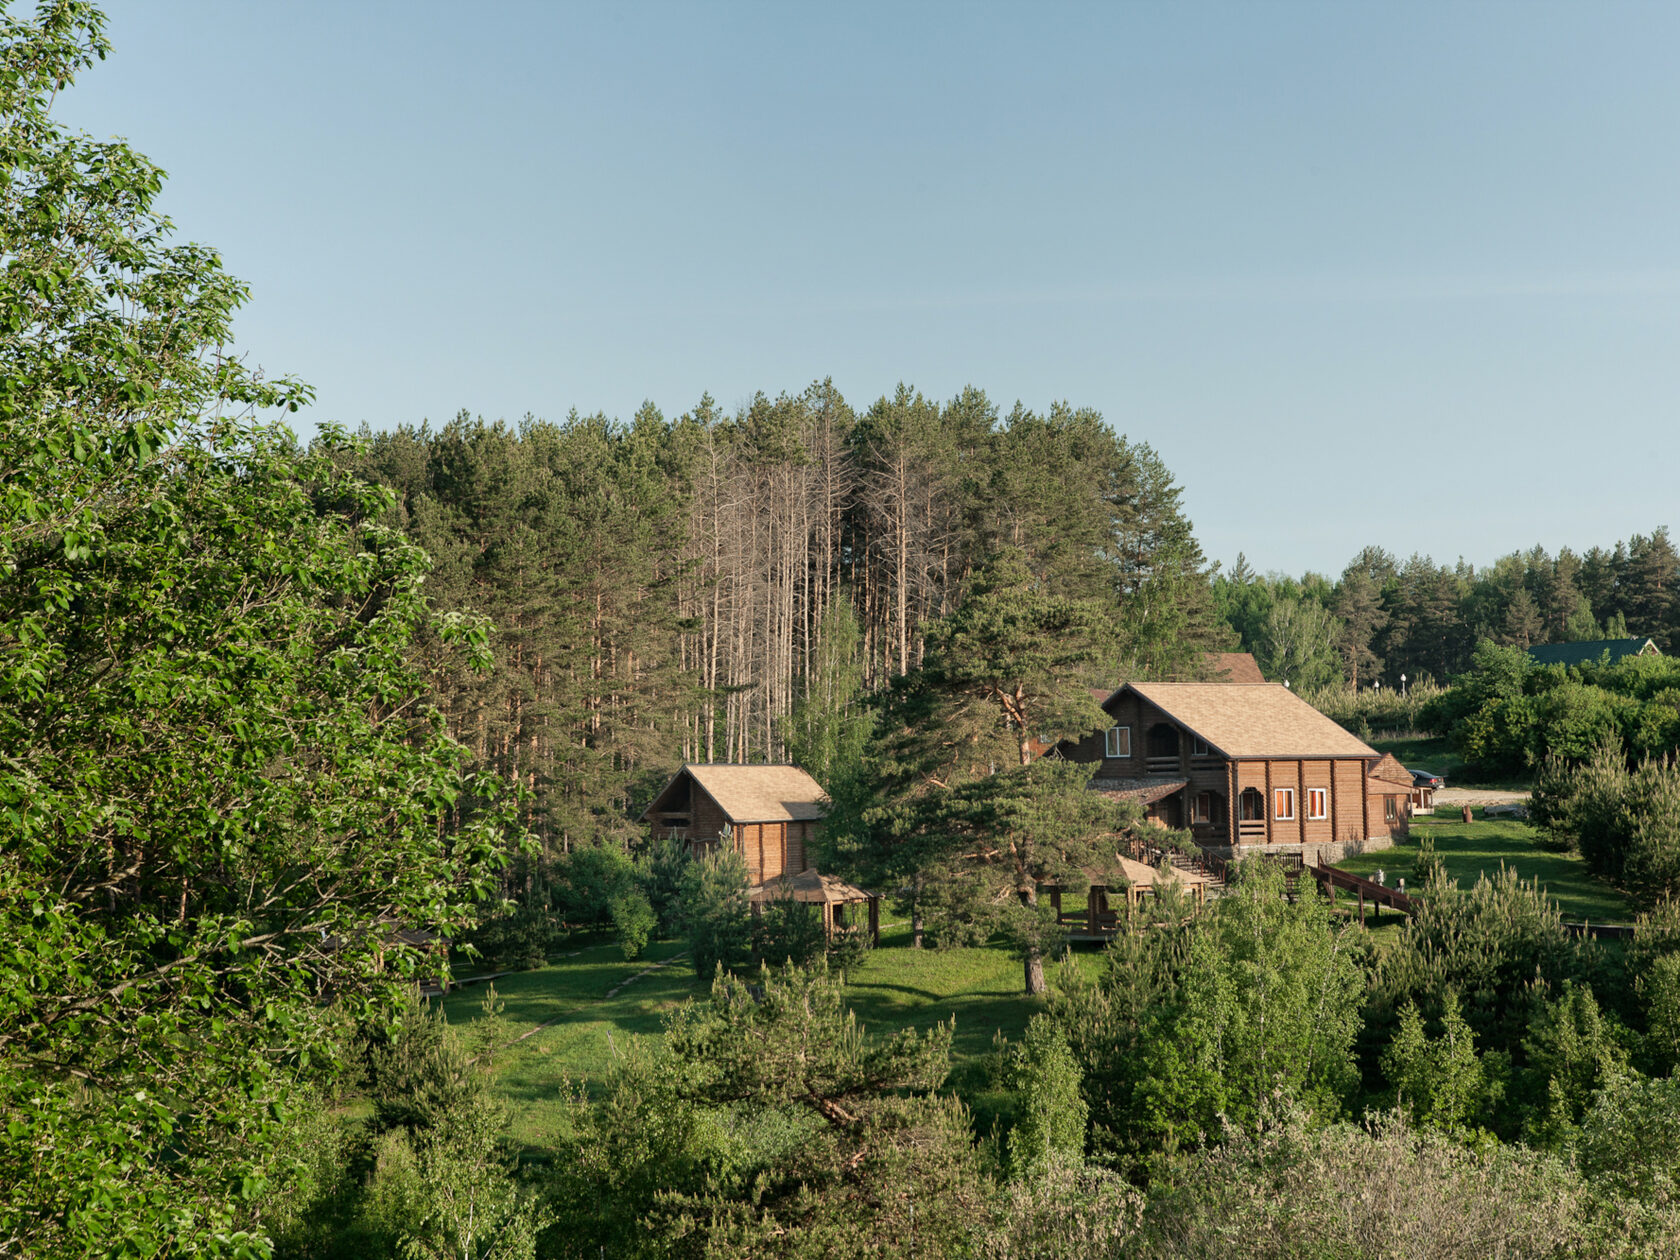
<point x="633" y="919"/>
<point x="848" y="946"/>
<point x="417" y="1070"/>
<point x="713" y="911"/>
<point x="786" y="931"/>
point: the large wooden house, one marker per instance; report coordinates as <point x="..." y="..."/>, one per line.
<point x="1242" y="766"/>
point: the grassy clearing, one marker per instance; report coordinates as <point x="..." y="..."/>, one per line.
<point x="530" y="1076"/>
<point x="895" y="987"/>
<point x="1469" y="850"/>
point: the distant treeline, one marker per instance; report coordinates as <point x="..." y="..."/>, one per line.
<point x="659" y="588"/>
<point x="1384" y="618"/>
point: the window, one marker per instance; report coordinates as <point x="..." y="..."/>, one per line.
<point x="1202" y="810"/>
<point x="1199" y="747"/>
<point x="1119" y="742"/>
<point x="1283" y="804"/>
<point x="1391" y="809"/>
<point x="1253" y="805"/>
<point x="1318" y="803"/>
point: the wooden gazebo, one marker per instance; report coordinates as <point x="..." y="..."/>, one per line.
<point x="1131" y="878"/>
<point x="838" y="899"/>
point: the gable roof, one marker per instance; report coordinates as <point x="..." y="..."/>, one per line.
<point x="1233" y="667"/>
<point x="809" y="887"/>
<point x="1252" y="719"/>
<point x="750" y="794"/>
<point x="1388" y="769"/>
<point x="1591" y="651"/>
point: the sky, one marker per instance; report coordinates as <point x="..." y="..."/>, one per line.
<point x="1393" y="274"/>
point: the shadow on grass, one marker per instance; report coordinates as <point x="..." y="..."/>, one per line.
<point x="1470" y="850"/>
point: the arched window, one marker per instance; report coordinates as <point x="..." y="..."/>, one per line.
<point x="1163" y="740"/>
<point x="1253" y="805"/>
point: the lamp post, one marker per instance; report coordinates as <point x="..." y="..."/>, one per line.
<point x="1402" y="684"/>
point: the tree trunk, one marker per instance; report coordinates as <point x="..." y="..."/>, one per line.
<point x="916" y="928"/>
<point x="1035" y="973"/>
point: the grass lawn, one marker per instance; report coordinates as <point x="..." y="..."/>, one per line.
<point x="894" y="987"/>
<point x="1434" y="755"/>
<point x="1470" y="849"/>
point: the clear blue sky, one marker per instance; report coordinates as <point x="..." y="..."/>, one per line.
<point x="1406" y="274"/>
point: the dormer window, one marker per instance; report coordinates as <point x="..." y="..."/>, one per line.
<point x="1199" y="747"/>
<point x="1118" y="742"/>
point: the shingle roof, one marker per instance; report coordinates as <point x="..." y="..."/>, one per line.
<point x="1253" y="719"/>
<point x="750" y="794"/>
<point x="1591" y="650"/>
<point x="1144" y="791"/>
<point x="1130" y="871"/>
<point x="1388" y="769"/>
<point x="1233" y="667"/>
<point x="809" y="887"/>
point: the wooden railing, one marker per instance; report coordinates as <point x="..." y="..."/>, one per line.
<point x="1331" y="878"/>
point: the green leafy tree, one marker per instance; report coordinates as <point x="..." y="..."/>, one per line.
<point x="224" y="793"/>
<point x="1216" y="1020"/>
<point x="1051" y="1114"/>
<point x="1439" y="1080"/>
<point x="1573" y="1050"/>
<point x="452" y="1194"/>
<point x="1298" y="644"/>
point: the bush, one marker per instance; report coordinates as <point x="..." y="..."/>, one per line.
<point x="521" y="938"/>
<point x="786" y="931"/>
<point x="633" y="919"/>
<point x="713" y="911"/>
<point x="847" y="946"/>
<point x="1350" y="1191"/>
<point x="417" y="1070"/>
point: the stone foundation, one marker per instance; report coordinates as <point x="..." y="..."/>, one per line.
<point x="1327" y="853"/>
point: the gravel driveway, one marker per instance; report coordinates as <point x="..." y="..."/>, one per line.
<point x="1478" y="796"/>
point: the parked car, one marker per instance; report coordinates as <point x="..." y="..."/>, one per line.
<point x="1423" y="778"/>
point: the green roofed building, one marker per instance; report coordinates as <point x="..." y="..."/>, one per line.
<point x="1591" y="652"/>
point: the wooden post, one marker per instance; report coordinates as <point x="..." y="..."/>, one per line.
<point x="1466" y="813"/>
<point x="874" y="920"/>
<point x="1361" y="907"/>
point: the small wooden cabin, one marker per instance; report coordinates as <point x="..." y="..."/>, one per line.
<point x="1236" y="764"/>
<point x="770" y="814"/>
<point x="1392" y="796"/>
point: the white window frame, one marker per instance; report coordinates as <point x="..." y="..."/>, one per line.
<point x="1283" y="799"/>
<point x="1113" y="743"/>
<point x="1318" y="804"/>
<point x="1201" y="808"/>
<point x="1199" y="747"/>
